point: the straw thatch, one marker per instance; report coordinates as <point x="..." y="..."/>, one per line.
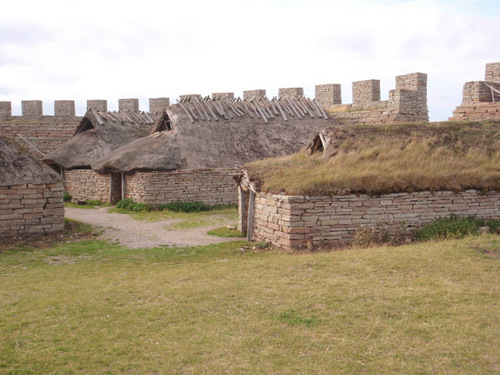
<point x="219" y="134"/>
<point x="98" y="134"/>
<point x="18" y="167"/>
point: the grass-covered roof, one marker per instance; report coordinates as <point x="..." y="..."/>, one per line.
<point x="375" y="159"/>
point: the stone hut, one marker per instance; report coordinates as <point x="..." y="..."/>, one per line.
<point x="197" y="146"/>
<point x="31" y="193"/>
<point x="392" y="179"/>
<point x="99" y="133"/>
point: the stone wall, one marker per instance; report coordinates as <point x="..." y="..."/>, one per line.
<point x="479" y="101"/>
<point x="222" y="95"/>
<point x="41" y="133"/>
<point x="476" y="112"/>
<point x="366" y="91"/>
<point x="329" y="94"/>
<point x="38" y="133"/>
<point x="27" y="209"/>
<point x="253" y="94"/>
<point x="407" y="103"/>
<point x="492" y="72"/>
<point x="208" y="186"/>
<point x="83" y="184"/>
<point x="291" y="92"/>
<point x="293" y="222"/>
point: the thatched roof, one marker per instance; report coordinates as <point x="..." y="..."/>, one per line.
<point x="220" y="134"/>
<point x="98" y="134"/>
<point x="379" y="159"/>
<point x="18" y="167"/>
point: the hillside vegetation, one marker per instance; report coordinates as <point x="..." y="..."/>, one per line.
<point x="375" y="159"/>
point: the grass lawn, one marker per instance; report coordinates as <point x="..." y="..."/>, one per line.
<point x="93" y="308"/>
<point x="184" y="220"/>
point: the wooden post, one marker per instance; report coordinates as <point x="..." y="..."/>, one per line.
<point x="251" y="204"/>
<point x="241" y="210"/>
<point x="111" y="188"/>
<point x="124" y="187"/>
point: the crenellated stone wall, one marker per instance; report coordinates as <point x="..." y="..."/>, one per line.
<point x="41" y="133"/>
<point x="211" y="187"/>
<point x="293" y="222"/>
<point x="407" y="103"/>
<point x="481" y="99"/>
<point x="31" y="209"/>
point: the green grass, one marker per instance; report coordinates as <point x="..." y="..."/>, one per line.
<point x="184" y="220"/>
<point x="96" y="308"/>
<point x="226" y="232"/>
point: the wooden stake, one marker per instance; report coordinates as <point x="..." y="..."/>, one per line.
<point x="251" y="205"/>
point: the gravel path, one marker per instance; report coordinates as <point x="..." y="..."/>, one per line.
<point x="134" y="234"/>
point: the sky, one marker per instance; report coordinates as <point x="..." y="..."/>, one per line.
<point x="87" y="49"/>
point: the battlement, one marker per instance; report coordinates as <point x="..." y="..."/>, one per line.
<point x="481" y="99"/>
<point x="408" y="102"/>
<point x="32" y="109"/>
<point x="364" y="92"/>
<point x="291" y="93"/>
<point x="254" y="94"/>
<point x="492" y="73"/>
<point x="222" y="95"/>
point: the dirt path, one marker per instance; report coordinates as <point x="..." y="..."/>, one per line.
<point x="134" y="234"/>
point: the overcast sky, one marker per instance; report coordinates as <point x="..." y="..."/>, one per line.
<point x="88" y="49"/>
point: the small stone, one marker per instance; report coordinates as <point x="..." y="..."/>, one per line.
<point x="484" y="230"/>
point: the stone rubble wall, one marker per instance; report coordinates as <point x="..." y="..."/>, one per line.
<point x="291" y="222"/>
<point x="83" y="184"/>
<point x="211" y="187"/>
<point x="30" y="209"/>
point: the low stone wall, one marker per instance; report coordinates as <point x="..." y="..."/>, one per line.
<point x="29" y="209"/>
<point x="292" y="222"/>
<point x="83" y="184"/>
<point x="208" y="186"/>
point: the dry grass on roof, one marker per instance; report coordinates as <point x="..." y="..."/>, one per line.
<point x="379" y="165"/>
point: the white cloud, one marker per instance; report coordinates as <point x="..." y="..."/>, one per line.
<point x="86" y="49"/>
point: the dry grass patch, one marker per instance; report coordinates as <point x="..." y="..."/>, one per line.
<point x="382" y="160"/>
